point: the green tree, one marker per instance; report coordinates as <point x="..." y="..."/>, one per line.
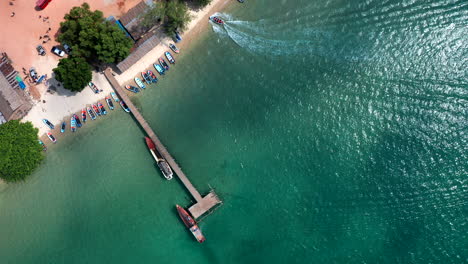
<point x="74" y="73"/>
<point x="177" y="16"/>
<point x="20" y="151"/>
<point x="93" y="38"/>
<point x="154" y="15"/>
<point x="202" y="2"/>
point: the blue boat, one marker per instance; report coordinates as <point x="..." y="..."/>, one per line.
<point x="115" y="97"/>
<point x="109" y="103"/>
<point x="132" y="88"/>
<point x="146" y="77"/>
<point x="77" y="120"/>
<point x="101" y="107"/>
<point x="64" y="124"/>
<point x="169" y="57"/>
<point x="164" y="64"/>
<point x="140" y="83"/>
<point x="72" y="124"/>
<point x="91" y="113"/>
<point x="152" y="76"/>
<point x="124" y="106"/>
<point x="159" y="69"/>
<point x="48" y="123"/>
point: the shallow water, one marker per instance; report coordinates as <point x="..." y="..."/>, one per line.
<point x="334" y="132"/>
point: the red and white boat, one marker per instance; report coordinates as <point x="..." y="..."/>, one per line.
<point x="217" y="20"/>
<point x="190" y="223"/>
<point x="162" y="163"/>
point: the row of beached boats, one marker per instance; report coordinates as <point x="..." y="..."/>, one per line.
<point x="93" y="111"/>
<point x="149" y="77"/>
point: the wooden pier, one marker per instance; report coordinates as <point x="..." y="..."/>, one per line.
<point x="203" y="204"/>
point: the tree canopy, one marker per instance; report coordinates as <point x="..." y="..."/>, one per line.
<point x="92" y="37"/>
<point x="20" y="151"/>
<point x="173" y="15"/>
<point x="74" y="73"/>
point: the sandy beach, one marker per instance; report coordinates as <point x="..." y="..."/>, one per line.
<point x="33" y="25"/>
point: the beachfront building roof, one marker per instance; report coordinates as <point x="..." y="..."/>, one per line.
<point x="145" y="38"/>
<point x="14" y="104"/>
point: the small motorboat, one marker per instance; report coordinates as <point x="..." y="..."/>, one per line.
<point x="91" y="113"/>
<point x="101" y="107"/>
<point x="163" y="63"/>
<point x="77" y="120"/>
<point x="93" y="87"/>
<point x="115" y="97"/>
<point x="169" y="57"/>
<point x="146" y="77"/>
<point x="132" y="88"/>
<point x="96" y="110"/>
<point x="217" y="20"/>
<point x="124" y="106"/>
<point x="83" y="115"/>
<point x="64" y="125"/>
<point x="109" y="103"/>
<point x="44" y="147"/>
<point x="48" y="123"/>
<point x="72" y="124"/>
<point x="174" y="48"/>
<point x="159" y="69"/>
<point x="152" y="76"/>
<point x="140" y="83"/>
<point x="51" y="137"/>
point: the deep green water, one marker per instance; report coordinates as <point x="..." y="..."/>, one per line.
<point x="334" y="131"/>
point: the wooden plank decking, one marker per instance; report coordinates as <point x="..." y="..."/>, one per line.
<point x="203" y="204"/>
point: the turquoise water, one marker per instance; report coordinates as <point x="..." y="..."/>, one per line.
<point x="334" y="132"/>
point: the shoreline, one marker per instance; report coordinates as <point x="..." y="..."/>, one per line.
<point x="63" y="103"/>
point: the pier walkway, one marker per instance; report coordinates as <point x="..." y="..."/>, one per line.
<point x="203" y="204"/>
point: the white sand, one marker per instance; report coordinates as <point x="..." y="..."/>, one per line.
<point x="64" y="103"/>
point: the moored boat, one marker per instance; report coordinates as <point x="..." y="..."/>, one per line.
<point x="93" y="87"/>
<point x="91" y="113"/>
<point x="96" y="110"/>
<point x="169" y="57"/>
<point x="196" y="232"/>
<point x="110" y="103"/>
<point x="64" y="125"/>
<point x="48" y="123"/>
<point x="185" y="216"/>
<point x="217" y="20"/>
<point x="115" y="97"/>
<point x="162" y="163"/>
<point x="51" y="137"/>
<point x="44" y="147"/>
<point x="163" y="63"/>
<point x="174" y="48"/>
<point x="124" y="106"/>
<point x="72" y="124"/>
<point x="159" y="69"/>
<point x="77" y="120"/>
<point x="152" y="76"/>
<point x="102" y="108"/>
<point x="146" y="77"/>
<point x="83" y="115"/>
<point x="140" y="83"/>
<point x="132" y="88"/>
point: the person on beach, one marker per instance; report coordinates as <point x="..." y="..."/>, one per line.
<point x="12" y="14"/>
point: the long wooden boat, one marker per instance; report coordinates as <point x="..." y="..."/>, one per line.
<point x="77" y="120"/>
<point x="93" y="87"/>
<point x="72" y="124"/>
<point x="124" y="106"/>
<point x="132" y="88"/>
<point x="140" y="83"/>
<point x="160" y="161"/>
<point x="109" y="103"/>
<point x="96" y="110"/>
<point x="91" y="113"/>
<point x="152" y="76"/>
<point x="163" y="63"/>
<point x="190" y="223"/>
<point x="169" y="57"/>
<point x="159" y="69"/>
<point x="51" y="137"/>
<point x="83" y="115"/>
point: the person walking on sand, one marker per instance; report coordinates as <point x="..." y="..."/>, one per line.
<point x="12" y="14"/>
